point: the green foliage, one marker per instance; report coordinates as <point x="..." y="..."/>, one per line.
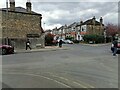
<point x="94" y="38"/>
<point x="69" y="38"/>
<point x="108" y="39"/>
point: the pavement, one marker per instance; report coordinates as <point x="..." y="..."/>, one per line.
<point x="53" y="48"/>
<point x="104" y="44"/>
<point x="47" y="48"/>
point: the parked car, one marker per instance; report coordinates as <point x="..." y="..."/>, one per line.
<point x="60" y="39"/>
<point x="68" y="42"/>
<point x="118" y="48"/>
<point x="6" y="49"/>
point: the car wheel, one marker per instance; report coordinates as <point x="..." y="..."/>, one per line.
<point x="4" y="51"/>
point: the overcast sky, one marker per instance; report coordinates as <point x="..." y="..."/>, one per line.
<point x="58" y="13"/>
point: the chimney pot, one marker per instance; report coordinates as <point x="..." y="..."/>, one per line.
<point x="12" y="5"/>
<point x="28" y="6"/>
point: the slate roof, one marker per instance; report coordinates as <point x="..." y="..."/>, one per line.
<point x="19" y="10"/>
<point x="90" y="22"/>
<point x="61" y="27"/>
<point x="71" y="25"/>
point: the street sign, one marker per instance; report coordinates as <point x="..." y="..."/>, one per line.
<point x="33" y="35"/>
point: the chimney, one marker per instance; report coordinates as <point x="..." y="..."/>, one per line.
<point x="101" y="20"/>
<point x="94" y="20"/>
<point x="12" y="5"/>
<point x="81" y="22"/>
<point x="28" y="6"/>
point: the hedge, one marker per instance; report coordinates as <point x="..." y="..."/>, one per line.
<point x="94" y="38"/>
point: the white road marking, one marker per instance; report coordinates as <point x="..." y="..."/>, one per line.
<point x="108" y="68"/>
<point x="80" y="84"/>
<point x="42" y="77"/>
<point x="72" y="81"/>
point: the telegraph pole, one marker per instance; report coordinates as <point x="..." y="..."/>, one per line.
<point x="6" y="41"/>
<point x="105" y="36"/>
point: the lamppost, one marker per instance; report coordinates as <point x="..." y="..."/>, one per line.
<point x="62" y="32"/>
<point x="6" y="40"/>
<point x="44" y="26"/>
<point x="105" y="35"/>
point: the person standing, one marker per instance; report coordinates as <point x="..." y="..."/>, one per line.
<point x="60" y="43"/>
<point x="115" y="43"/>
<point x="28" y="44"/>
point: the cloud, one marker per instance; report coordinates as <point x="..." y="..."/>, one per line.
<point x="111" y="18"/>
<point x="67" y="12"/>
<point x="75" y="0"/>
<point x="61" y="12"/>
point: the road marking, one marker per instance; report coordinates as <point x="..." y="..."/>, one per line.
<point x="79" y="84"/>
<point x="84" y="86"/>
<point x="40" y="76"/>
<point x="87" y="85"/>
<point x="61" y="77"/>
<point x="110" y="69"/>
<point x="64" y="78"/>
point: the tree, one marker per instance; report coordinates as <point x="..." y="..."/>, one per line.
<point x="111" y="29"/>
<point x="49" y="38"/>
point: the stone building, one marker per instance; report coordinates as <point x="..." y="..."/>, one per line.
<point x="19" y="24"/>
<point x="91" y="26"/>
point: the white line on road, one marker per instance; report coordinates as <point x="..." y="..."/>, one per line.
<point x="42" y="77"/>
<point x="81" y="85"/>
<point x="108" y="68"/>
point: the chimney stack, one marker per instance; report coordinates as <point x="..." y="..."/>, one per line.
<point x="12" y="5"/>
<point x="94" y="20"/>
<point x="28" y="6"/>
<point x="101" y="20"/>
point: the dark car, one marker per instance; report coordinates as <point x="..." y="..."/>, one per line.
<point x="118" y="48"/>
<point x="6" y="49"/>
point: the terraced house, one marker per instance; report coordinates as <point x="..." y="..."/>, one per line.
<point x="78" y="29"/>
<point x="90" y="26"/>
<point x="19" y="24"/>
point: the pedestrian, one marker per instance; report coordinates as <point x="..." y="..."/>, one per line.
<point x="28" y="44"/>
<point x="60" y="43"/>
<point x="115" y="44"/>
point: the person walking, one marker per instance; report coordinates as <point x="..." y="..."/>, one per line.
<point x="60" y="43"/>
<point x="28" y="44"/>
<point x="115" y="44"/>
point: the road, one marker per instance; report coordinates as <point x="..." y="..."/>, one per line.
<point x="81" y="66"/>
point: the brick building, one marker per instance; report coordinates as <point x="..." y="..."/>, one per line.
<point x="19" y="24"/>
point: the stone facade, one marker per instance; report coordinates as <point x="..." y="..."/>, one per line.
<point x="17" y="26"/>
<point x="93" y="26"/>
<point x="78" y="29"/>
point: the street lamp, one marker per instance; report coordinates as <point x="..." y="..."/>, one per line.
<point x="44" y="26"/>
<point x="6" y="41"/>
<point x="105" y="35"/>
<point x="62" y="32"/>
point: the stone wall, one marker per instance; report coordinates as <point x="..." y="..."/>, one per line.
<point x="16" y="26"/>
<point x="0" y="26"/>
<point x="20" y="43"/>
<point x="95" y="29"/>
